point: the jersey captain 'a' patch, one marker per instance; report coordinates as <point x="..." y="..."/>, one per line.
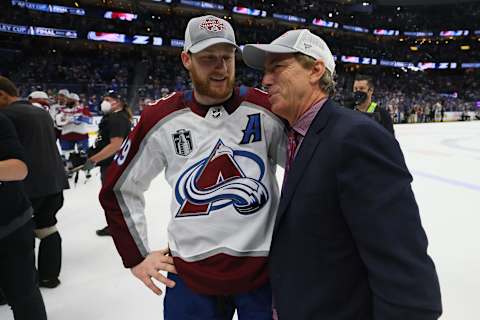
<point x="253" y="130"/>
<point x="218" y="181"/>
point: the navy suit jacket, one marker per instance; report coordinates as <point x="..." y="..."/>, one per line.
<point x="348" y="242"/>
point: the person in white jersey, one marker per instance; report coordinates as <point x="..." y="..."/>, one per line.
<point x="219" y="146"/>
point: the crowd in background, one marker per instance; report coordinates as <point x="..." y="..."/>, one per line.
<point x="145" y="73"/>
<point x="258" y="30"/>
<point x="402" y="92"/>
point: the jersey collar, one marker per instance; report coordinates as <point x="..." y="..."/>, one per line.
<point x="229" y="105"/>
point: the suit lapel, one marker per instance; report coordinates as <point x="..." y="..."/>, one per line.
<point x="303" y="157"/>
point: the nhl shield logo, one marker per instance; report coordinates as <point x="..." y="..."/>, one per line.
<point x="182" y="140"/>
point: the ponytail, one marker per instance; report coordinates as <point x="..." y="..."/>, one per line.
<point x="128" y="110"/>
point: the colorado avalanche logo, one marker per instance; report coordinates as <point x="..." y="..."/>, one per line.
<point x="218" y="181"/>
<point x="212" y="25"/>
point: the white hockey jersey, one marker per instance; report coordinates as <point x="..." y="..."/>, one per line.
<point x="76" y="120"/>
<point x="220" y="162"/>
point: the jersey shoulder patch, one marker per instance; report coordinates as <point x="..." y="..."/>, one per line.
<point x="163" y="107"/>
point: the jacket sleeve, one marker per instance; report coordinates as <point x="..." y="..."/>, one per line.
<point x="137" y="163"/>
<point x="10" y="146"/>
<point x="380" y="209"/>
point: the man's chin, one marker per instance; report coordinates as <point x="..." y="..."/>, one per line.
<point x="218" y="93"/>
<point x="279" y="109"/>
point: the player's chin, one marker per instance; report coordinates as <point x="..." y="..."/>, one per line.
<point x="220" y="91"/>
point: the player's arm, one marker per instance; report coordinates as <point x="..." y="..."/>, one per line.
<point x="122" y="197"/>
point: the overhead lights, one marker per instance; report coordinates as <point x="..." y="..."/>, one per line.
<point x="465" y="47"/>
<point x="414" y="48"/>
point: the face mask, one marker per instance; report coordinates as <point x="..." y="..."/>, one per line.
<point x="106" y="106"/>
<point x="359" y="97"/>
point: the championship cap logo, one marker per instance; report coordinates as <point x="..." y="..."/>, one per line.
<point x="212" y="25"/>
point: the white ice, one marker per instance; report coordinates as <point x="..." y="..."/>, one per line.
<point x="444" y="159"/>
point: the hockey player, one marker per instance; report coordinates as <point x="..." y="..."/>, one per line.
<point x="56" y="107"/>
<point x="40" y="100"/>
<point x="219" y="146"/>
<point x="74" y="120"/>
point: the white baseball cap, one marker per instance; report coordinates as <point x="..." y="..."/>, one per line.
<point x="203" y="32"/>
<point x="73" y="96"/>
<point x="63" y="92"/>
<point x="38" y="95"/>
<point x="293" y="41"/>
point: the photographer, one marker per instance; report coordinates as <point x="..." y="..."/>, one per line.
<point x="112" y="130"/>
<point x="363" y="89"/>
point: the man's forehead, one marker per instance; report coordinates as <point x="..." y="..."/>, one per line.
<point x="220" y="48"/>
<point x="360" y="83"/>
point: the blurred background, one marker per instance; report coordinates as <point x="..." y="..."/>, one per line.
<point x="422" y="57"/>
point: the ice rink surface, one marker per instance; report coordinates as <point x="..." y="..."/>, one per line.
<point x="444" y="159"/>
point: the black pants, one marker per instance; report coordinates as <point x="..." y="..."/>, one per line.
<point x="50" y="250"/>
<point x="18" y="276"/>
<point x="45" y="210"/>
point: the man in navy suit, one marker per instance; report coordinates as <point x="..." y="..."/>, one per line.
<point x="348" y="243"/>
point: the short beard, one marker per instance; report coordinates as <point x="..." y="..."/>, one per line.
<point x="203" y="87"/>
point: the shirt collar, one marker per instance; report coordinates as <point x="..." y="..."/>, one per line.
<point x="302" y="125"/>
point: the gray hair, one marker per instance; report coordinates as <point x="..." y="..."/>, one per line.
<point x="327" y="83"/>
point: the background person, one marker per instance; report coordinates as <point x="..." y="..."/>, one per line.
<point x="112" y="131"/>
<point x="46" y="180"/>
<point x="18" y="276"/>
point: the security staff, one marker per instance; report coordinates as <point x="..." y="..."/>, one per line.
<point x="112" y="130"/>
<point x="46" y="180"/>
<point x="363" y="89"/>
<point x="17" y="254"/>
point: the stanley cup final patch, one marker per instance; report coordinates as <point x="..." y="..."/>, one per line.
<point x="182" y="141"/>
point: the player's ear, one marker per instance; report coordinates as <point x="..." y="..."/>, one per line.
<point x="186" y="60"/>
